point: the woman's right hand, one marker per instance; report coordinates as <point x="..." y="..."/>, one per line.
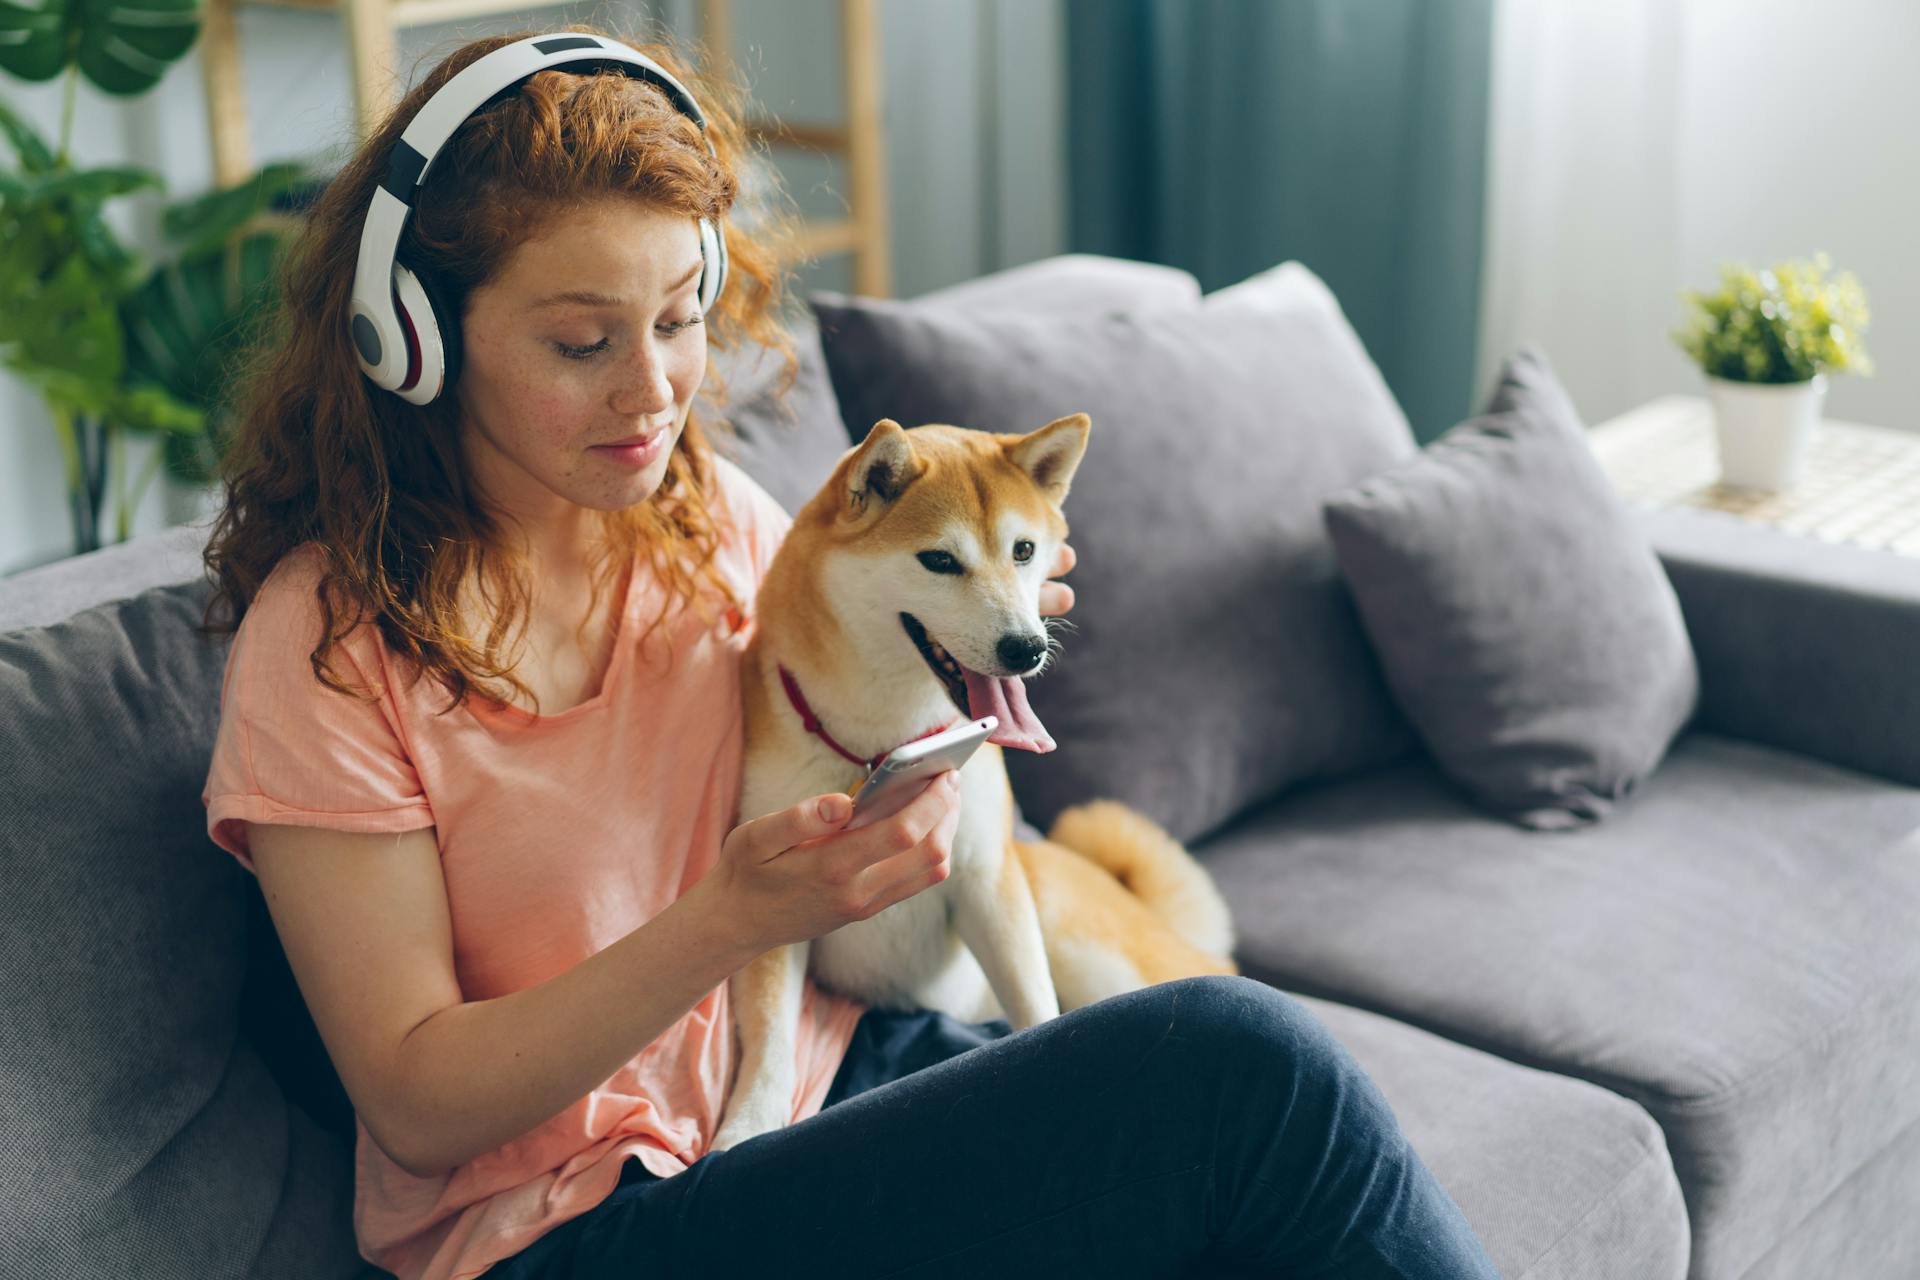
<point x="795" y="875"/>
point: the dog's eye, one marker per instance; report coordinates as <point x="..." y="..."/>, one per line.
<point x="940" y="562"/>
<point x="1022" y="551"/>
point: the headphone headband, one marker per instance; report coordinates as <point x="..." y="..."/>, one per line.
<point x="398" y="341"/>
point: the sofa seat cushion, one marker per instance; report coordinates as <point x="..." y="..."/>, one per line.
<point x="1735" y="949"/>
<point x="1558" y="1177"/>
<point x="1866" y="1230"/>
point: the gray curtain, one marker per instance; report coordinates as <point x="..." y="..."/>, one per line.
<point x="1225" y="136"/>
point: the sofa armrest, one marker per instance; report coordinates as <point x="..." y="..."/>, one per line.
<point x="1805" y="645"/>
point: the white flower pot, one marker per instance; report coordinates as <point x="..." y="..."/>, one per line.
<point x="1764" y="428"/>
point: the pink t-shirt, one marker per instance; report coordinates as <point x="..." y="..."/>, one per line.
<point x="558" y="835"/>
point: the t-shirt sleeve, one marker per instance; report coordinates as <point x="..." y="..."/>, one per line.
<point x="292" y="750"/>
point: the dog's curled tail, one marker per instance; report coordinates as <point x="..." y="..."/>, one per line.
<point x="1153" y="866"/>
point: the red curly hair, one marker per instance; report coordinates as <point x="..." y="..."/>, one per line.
<point x="319" y="454"/>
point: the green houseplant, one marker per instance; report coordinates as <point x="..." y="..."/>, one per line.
<point x="1766" y="341"/>
<point x="112" y="343"/>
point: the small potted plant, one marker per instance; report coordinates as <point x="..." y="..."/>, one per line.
<point x="1766" y="341"/>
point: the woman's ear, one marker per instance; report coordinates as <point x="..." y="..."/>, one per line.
<point x="882" y="467"/>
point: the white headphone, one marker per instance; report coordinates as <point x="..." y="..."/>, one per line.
<point x="408" y="338"/>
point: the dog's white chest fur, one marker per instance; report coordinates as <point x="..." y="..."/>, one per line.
<point x="910" y="956"/>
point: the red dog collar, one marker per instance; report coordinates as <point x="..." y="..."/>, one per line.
<point x="813" y="725"/>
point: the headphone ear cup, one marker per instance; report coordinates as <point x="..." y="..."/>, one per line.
<point x="447" y="321"/>
<point x="425" y="361"/>
<point x="713" y="256"/>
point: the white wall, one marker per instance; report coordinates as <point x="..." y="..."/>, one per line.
<point x="1639" y="143"/>
<point x="975" y="153"/>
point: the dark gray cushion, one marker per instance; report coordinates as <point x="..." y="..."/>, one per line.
<point x="790" y="442"/>
<point x="1734" y="949"/>
<point x="143" y="1128"/>
<point x="1215" y="656"/>
<point x="1523" y="621"/>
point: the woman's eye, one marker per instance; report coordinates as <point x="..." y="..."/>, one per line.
<point x="1022" y="551"/>
<point x="670" y="330"/>
<point x="940" y="562"/>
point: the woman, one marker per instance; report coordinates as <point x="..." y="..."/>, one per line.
<point x="480" y="742"/>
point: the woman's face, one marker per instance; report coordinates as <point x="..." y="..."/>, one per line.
<point x="590" y="334"/>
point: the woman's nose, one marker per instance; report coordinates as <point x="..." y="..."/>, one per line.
<point x="646" y="388"/>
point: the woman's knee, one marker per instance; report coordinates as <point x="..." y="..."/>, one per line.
<point x="1244" y="1021"/>
<point x="1260" y="1045"/>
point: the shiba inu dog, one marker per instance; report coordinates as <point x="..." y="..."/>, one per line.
<point x="904" y="599"/>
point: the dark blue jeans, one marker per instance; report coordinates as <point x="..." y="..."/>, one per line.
<point x="1206" y="1127"/>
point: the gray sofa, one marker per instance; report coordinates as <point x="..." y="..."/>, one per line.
<point x="1684" y="1041"/>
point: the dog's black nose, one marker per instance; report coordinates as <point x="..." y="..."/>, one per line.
<point x="1021" y="652"/>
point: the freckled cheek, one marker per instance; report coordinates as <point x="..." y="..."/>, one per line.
<point x="556" y="411"/>
<point x="557" y="415"/>
<point x="686" y="373"/>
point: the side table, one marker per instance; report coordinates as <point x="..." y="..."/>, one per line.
<point x="1861" y="484"/>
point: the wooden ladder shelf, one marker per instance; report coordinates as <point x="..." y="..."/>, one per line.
<point x="371" y="27"/>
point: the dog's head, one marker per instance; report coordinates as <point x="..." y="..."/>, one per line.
<point x="942" y="537"/>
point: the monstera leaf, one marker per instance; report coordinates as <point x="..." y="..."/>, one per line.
<point x="123" y="46"/>
<point x="33" y="38"/>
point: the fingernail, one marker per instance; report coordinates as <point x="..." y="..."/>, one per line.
<point x="834" y="808"/>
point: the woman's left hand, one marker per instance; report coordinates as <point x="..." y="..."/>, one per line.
<point x="1057" y="597"/>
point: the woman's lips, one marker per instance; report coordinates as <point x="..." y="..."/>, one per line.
<point x="630" y="441"/>
<point x="635" y="455"/>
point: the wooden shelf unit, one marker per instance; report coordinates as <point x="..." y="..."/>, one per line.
<point x="371" y="30"/>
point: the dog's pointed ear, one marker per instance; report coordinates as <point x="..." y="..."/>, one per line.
<point x="883" y="466"/>
<point x="1052" y="454"/>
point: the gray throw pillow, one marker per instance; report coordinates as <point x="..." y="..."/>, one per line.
<point x="1214" y="656"/>
<point x="166" y="1108"/>
<point x="1068" y="284"/>
<point x="1525" y="625"/>
<point x="790" y="442"/>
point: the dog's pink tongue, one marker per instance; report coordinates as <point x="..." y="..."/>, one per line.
<point x="1006" y="697"/>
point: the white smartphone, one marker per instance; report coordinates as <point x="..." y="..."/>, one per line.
<point x="897" y="779"/>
